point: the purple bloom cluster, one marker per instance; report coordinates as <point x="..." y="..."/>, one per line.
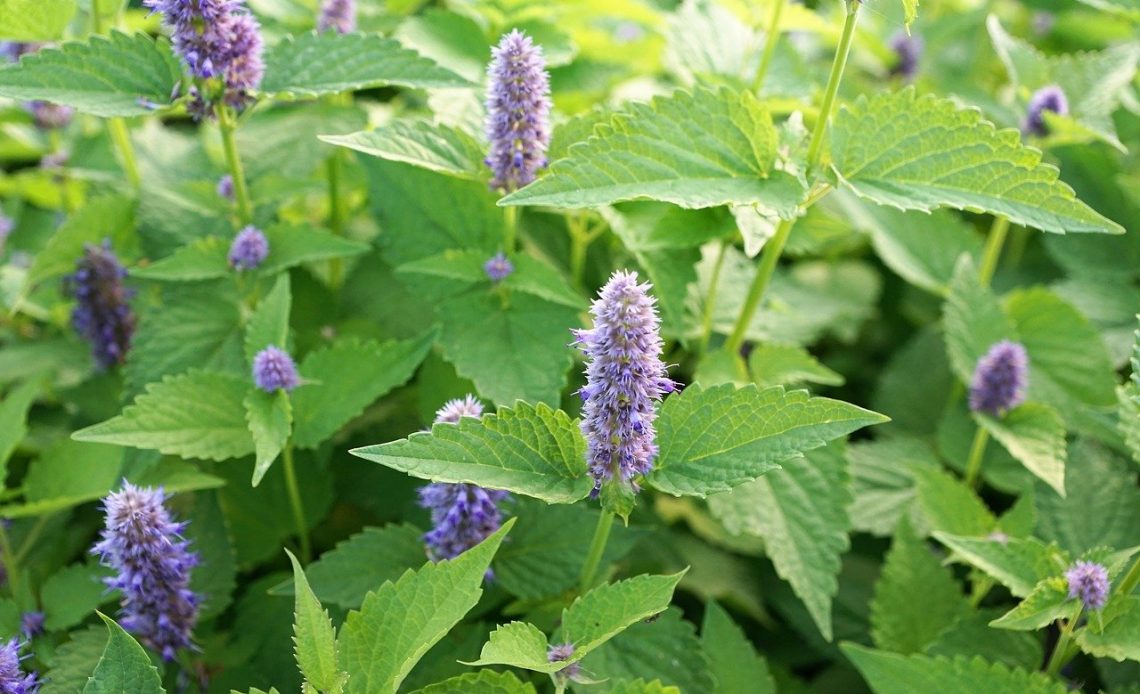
<point x="152" y="563"/>
<point x="338" y="16"/>
<point x="32" y="624"/>
<point x="249" y="249"/>
<point x="562" y="652"/>
<point x="498" y="268"/>
<point x="908" y="51"/>
<point x="225" y="187"/>
<point x="102" y="314"/>
<point x="1089" y="582"/>
<point x="518" y="111"/>
<point x="462" y="515"/>
<point x="1000" y="379"/>
<point x="221" y="45"/>
<point x="273" y="370"/>
<point x="1049" y="98"/>
<point x="624" y="378"/>
<point x="12" y="678"/>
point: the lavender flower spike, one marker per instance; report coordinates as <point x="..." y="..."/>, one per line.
<point x="102" y="314"/>
<point x="152" y="563"/>
<point x="498" y="268"/>
<point x="1089" y="582"/>
<point x="338" y="16"/>
<point x="624" y="378"/>
<point x="908" y="51"/>
<point x="249" y="249"/>
<point x="1000" y="379"/>
<point x="225" y="187"/>
<point x="12" y="678"/>
<point x="462" y="515"/>
<point x="518" y="111"/>
<point x="1049" y="98"/>
<point x="273" y="370"/>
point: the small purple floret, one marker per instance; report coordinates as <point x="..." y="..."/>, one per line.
<point x="249" y="249"/>
<point x="338" y="16"/>
<point x="625" y="377"/>
<point x="1049" y="98"/>
<point x="102" y="314"/>
<point x="225" y="187"/>
<point x="1089" y="582"/>
<point x="562" y="652"/>
<point x="152" y="563"/>
<point x="498" y="268"/>
<point x="13" y="680"/>
<point x="518" y="111"/>
<point x="273" y="370"/>
<point x="452" y="410"/>
<point x="908" y="52"/>
<point x="31" y="625"/>
<point x="1000" y="379"/>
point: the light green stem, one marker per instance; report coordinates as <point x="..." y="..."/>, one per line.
<point x="117" y="129"/>
<point x="815" y="149"/>
<point x="977" y="452"/>
<point x="710" y="299"/>
<point x="96" y="18"/>
<point x="510" y="228"/>
<point x="579" y="243"/>
<point x="771" y="38"/>
<point x="1060" y="654"/>
<point x="295" y="502"/>
<point x="336" y="216"/>
<point x="11" y="567"/>
<point x="227" y="124"/>
<point x="597" y="549"/>
<point x="992" y="253"/>
<point x="769" y="257"/>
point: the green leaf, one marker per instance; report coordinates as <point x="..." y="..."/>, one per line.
<point x="714" y="439"/>
<point x="482" y="682"/>
<point x="921" y="153"/>
<point x="195" y="415"/>
<point x="528" y="449"/>
<point x="666" y="649"/>
<point x="345" y="574"/>
<point x="421" y="143"/>
<point x="706" y="41"/>
<point x="519" y="644"/>
<point x="1120" y="638"/>
<point x="74" y="471"/>
<point x="269" y="324"/>
<point x="892" y="673"/>
<point x="973" y="320"/>
<point x="107" y="217"/>
<point x="35" y="20"/>
<point x="1034" y="434"/>
<point x="1045" y="604"/>
<point x="916" y="598"/>
<point x="75" y="660"/>
<point x="776" y="364"/>
<point x="734" y="662"/>
<point x="512" y="352"/>
<point x="270" y="419"/>
<point x="71" y="594"/>
<point x="800" y="512"/>
<point x="13" y="418"/>
<point x="289" y="245"/>
<point x="531" y="276"/>
<point x="124" y="667"/>
<point x="973" y="634"/>
<point x="883" y="481"/>
<point x="1018" y="564"/>
<point x="400" y="621"/>
<point x="208" y="532"/>
<point x="701" y="148"/>
<point x="119" y="75"/>
<point x="347" y="377"/>
<point x="327" y="63"/>
<point x="314" y="635"/>
<point x="950" y="506"/>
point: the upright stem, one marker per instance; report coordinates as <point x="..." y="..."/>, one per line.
<point x="597" y="549"/>
<point x="992" y="252"/>
<point x="977" y="452"/>
<point x="815" y="149"/>
<point x="227" y="124"/>
<point x="31" y="538"/>
<point x="10" y="565"/>
<point x="96" y="18"/>
<point x="1060" y="652"/>
<point x="336" y="216"/>
<point x="579" y="243"/>
<point x="710" y="299"/>
<point x="769" y="257"/>
<point x="510" y="229"/>
<point x="117" y="129"/>
<point x="771" y="37"/>
<point x="295" y="501"/>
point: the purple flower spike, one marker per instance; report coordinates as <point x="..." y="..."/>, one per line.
<point x="225" y="187"/>
<point x="908" y="51"/>
<point x="102" y="314"/>
<point x="249" y="249"/>
<point x="562" y="652"/>
<point x="1049" y="98"/>
<point x="31" y="624"/>
<point x="518" y="111"/>
<point x="1000" y="379"/>
<point x="144" y="546"/>
<point x="462" y="515"/>
<point x="1089" y="582"/>
<point x="338" y="16"/>
<point x="625" y="377"/>
<point x="498" y="268"/>
<point x="273" y="370"/>
<point x="12" y="678"/>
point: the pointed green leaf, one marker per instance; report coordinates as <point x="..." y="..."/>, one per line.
<point x="327" y="63"/>
<point x="347" y="377"/>
<point x="71" y="594"/>
<point x="666" y="649"/>
<point x="1120" y="638"/>
<point x="883" y="481"/>
<point x="1034" y="434"/>
<point x="270" y="419"/>
<point x="734" y="662"/>
<point x="421" y="143"/>
<point x="518" y="644"/>
<point x="800" y="512"/>
<point x="714" y="439"/>
<point x="1045" y="604"/>
<point x="922" y="153"/>
<point x="400" y="621"/>
<point x="345" y="574"/>
<point x="781" y="365"/>
<point x="196" y="415"/>
<point x="701" y="148"/>
<point x="119" y="75"/>
<point x="124" y="667"/>
<point x="973" y="634"/>
<point x="482" y="682"/>
<point x="13" y="418"/>
<point x="951" y="506"/>
<point x="892" y="673"/>
<point x="73" y="662"/>
<point x="313" y="634"/>
<point x="1018" y="564"/>
<point x="35" y="20"/>
<point x="528" y="449"/>
<point x="269" y="324"/>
